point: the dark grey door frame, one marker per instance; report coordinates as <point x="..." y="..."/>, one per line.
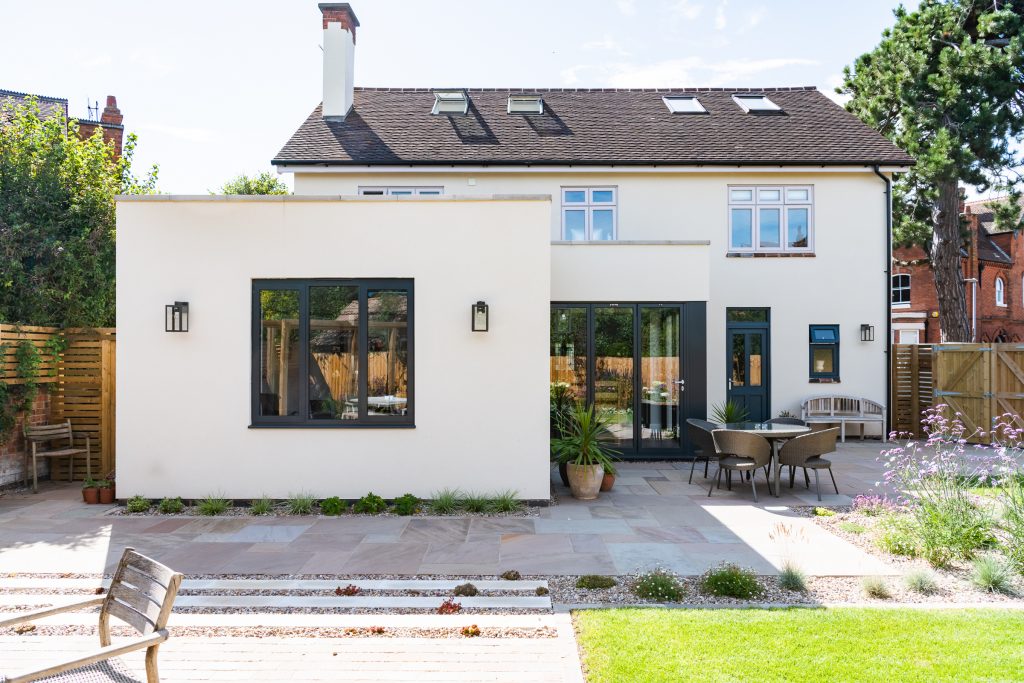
<point x="763" y="327"/>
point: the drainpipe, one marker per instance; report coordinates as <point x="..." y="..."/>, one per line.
<point x="888" y="297"/>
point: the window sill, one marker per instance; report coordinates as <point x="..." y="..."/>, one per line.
<point x="823" y="380"/>
<point x="769" y="254"/>
<point x="361" y="425"/>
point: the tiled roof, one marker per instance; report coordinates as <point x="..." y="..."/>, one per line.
<point x="592" y="126"/>
<point x="989" y="251"/>
<point x="983" y="210"/>
<point x="47" y="105"/>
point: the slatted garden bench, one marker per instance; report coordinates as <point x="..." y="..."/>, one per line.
<point x="843" y="409"/>
<point x="41" y="438"/>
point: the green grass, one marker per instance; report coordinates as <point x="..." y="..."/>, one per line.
<point x="843" y="645"/>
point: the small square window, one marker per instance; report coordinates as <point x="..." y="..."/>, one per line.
<point x="741" y="195"/>
<point x="525" y="104"/>
<point x="682" y="104"/>
<point x="824" y="353"/>
<point x="450" y="102"/>
<point x="771" y="194"/>
<point x="756" y="104"/>
<point x="798" y="194"/>
<point x="574" y="197"/>
<point x="602" y="196"/>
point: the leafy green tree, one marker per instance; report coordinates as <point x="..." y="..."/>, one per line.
<point x="263" y="183"/>
<point x="946" y="83"/>
<point x="57" y="222"/>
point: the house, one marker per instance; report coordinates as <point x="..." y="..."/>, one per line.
<point x="110" y="120"/>
<point x="450" y="253"/>
<point x="993" y="267"/>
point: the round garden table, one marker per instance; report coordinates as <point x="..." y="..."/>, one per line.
<point x="774" y="433"/>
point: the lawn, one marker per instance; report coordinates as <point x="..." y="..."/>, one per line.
<point x="647" y="645"/>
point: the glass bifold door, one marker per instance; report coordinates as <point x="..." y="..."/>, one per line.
<point x="627" y="360"/>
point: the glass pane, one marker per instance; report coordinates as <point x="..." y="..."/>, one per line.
<point x="739" y="366"/>
<point x="397" y="193"/>
<point x="576" y="225"/>
<point x="769" y="195"/>
<point x="796" y="227"/>
<point x="741" y="195"/>
<point x="388" y="352"/>
<point x="826" y="335"/>
<point x="797" y="195"/>
<point x="747" y="315"/>
<point x="742" y="229"/>
<point x="603" y="196"/>
<point x="822" y="360"/>
<point x="613" y="372"/>
<point x="603" y="225"/>
<point x="659" y="373"/>
<point x="334" y="353"/>
<point x="568" y="359"/>
<point x="279" y="352"/>
<point x="768" y="237"/>
<point x="574" y="197"/>
<point x="755" y="360"/>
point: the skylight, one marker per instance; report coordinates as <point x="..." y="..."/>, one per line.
<point x="450" y="102"/>
<point x="525" y="104"/>
<point x="756" y="104"/>
<point x="684" y="104"/>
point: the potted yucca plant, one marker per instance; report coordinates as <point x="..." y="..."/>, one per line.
<point x="583" y="451"/>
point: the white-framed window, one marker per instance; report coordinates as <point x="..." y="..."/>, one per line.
<point x="756" y="104"/>
<point x="771" y="218"/>
<point x="910" y="336"/>
<point x="901" y="289"/>
<point x="589" y="213"/>
<point x="1000" y="292"/>
<point x="683" y="104"/>
<point x="401" y="191"/>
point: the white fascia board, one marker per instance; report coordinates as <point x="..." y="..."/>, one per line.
<point x="479" y="170"/>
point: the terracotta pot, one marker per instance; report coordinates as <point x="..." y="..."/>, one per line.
<point x="106" y="496"/>
<point x="91" y="495"/>
<point x="585" y="480"/>
<point x="608" y="481"/>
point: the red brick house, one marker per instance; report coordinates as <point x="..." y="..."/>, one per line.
<point x="110" y="120"/>
<point x="992" y="257"/>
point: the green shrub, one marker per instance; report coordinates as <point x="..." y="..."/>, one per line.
<point x="445" y="502"/>
<point x="541" y="591"/>
<point x="171" y="506"/>
<point x="370" y="504"/>
<point x="730" y="581"/>
<point x="992" y="574"/>
<point x="301" y="503"/>
<point x="137" y="504"/>
<point x="876" y="587"/>
<point x="792" y="578"/>
<point x="406" y="505"/>
<point x="511" y="575"/>
<point x="852" y="527"/>
<point x="595" y="582"/>
<point x="824" y="512"/>
<point x="213" y="505"/>
<point x="659" y="585"/>
<point x="333" y="506"/>
<point x="1012" y="500"/>
<point x="465" y="590"/>
<point x="921" y="581"/>
<point x="475" y="502"/>
<point x="952" y="528"/>
<point x="897" y="536"/>
<point x="261" y="506"/>
<point x="506" y="501"/>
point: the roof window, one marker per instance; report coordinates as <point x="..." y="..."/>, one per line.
<point x="756" y="104"/>
<point x="525" y="104"/>
<point x="684" y="104"/>
<point x="450" y="102"/>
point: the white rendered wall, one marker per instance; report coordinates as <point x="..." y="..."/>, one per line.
<point x="844" y="283"/>
<point x="184" y="399"/>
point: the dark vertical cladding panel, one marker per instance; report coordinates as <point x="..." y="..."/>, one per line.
<point x="695" y="359"/>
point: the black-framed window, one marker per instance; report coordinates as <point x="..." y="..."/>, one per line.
<point x="901" y="288"/>
<point x="824" y="353"/>
<point x="332" y="352"/>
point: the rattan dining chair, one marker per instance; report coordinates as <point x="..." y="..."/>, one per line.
<point x="806" y="451"/>
<point x="742" y="452"/>
<point x="790" y="421"/>
<point x="701" y="439"/>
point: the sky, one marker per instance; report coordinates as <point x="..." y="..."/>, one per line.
<point x="215" y="88"/>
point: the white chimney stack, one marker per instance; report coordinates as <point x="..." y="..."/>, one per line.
<point x="339" y="55"/>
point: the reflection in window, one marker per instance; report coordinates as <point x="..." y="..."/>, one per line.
<point x="569" y="349"/>
<point x="614" y="371"/>
<point x="387" y="345"/>
<point x="739" y="365"/>
<point x="824" y="352"/>
<point x="755" y="360"/>
<point x="334" y="356"/>
<point x="279" y="352"/>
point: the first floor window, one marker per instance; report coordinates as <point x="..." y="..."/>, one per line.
<point x="589" y="213"/>
<point x="401" y="191"/>
<point x="1000" y="292"/>
<point x="332" y="352"/>
<point x="900" y="289"/>
<point x="770" y="219"/>
<point x="824" y="352"/>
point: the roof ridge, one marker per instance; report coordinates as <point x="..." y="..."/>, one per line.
<point x="29" y="94"/>
<point x="801" y="88"/>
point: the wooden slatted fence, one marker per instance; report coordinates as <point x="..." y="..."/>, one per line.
<point x="912" y="386"/>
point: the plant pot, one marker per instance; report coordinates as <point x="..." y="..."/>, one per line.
<point x="563" y="473"/>
<point x="585" y="480"/>
<point x="106" y="496"/>
<point x="91" y="495"/>
<point x="608" y="481"/>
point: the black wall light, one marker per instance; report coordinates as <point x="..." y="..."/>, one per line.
<point x="867" y="332"/>
<point x="176" y="317"/>
<point x="480" y="316"/>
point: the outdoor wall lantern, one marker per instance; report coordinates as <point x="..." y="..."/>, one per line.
<point x="176" y="317"/>
<point x="867" y="332"/>
<point x="479" y="316"/>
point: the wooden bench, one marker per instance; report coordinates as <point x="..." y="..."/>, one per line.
<point x="843" y="409"/>
<point x="41" y="438"/>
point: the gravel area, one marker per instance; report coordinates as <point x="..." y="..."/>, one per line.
<point x="300" y="632"/>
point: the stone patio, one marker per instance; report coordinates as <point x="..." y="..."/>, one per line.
<point x="651" y="518"/>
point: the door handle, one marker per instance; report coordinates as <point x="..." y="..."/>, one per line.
<point x="681" y="383"/>
<point x="730" y="384"/>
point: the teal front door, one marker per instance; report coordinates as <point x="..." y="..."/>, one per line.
<point x="748" y="372"/>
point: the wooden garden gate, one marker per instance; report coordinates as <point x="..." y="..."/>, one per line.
<point x="981" y="382"/>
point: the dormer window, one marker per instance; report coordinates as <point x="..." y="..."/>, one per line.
<point x="756" y="104"/>
<point x="525" y="104"/>
<point x="450" y="102"/>
<point x="684" y="104"/>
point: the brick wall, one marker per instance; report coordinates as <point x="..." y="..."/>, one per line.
<point x="12" y="452"/>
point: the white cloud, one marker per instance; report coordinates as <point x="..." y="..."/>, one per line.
<point x="752" y="19"/>
<point x="686" y="10"/>
<point x="720" y="19"/>
<point x="179" y="132"/>
<point x="607" y="43"/>
<point x="831" y="83"/>
<point x="627" y="7"/>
